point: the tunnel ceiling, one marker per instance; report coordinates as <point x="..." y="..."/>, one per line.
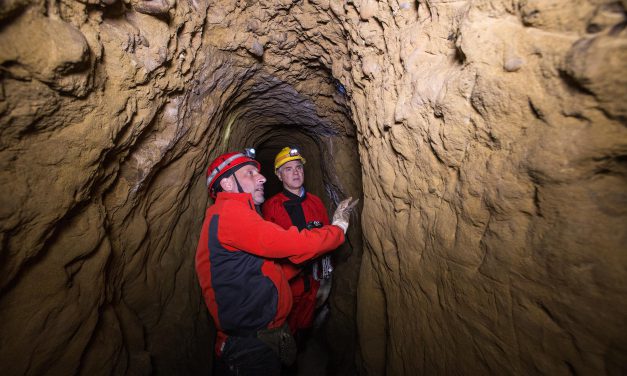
<point x="486" y="139"/>
<point x="272" y="105"/>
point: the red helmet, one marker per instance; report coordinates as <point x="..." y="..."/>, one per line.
<point x="223" y="164"/>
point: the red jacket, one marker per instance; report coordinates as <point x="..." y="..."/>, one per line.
<point x="244" y="288"/>
<point x="304" y="289"/>
<point x="313" y="208"/>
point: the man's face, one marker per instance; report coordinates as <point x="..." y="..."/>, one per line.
<point x="292" y="175"/>
<point x="252" y="182"/>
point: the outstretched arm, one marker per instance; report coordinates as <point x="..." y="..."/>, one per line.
<point x="247" y="231"/>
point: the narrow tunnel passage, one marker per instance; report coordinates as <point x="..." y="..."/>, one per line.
<point x="269" y="117"/>
<point x="486" y="138"/>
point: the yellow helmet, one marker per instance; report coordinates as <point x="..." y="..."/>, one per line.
<point x="287" y="154"/>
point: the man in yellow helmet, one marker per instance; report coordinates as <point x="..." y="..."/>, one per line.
<point x="296" y="207"/>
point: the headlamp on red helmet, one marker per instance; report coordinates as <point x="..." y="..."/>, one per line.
<point x="250" y="152"/>
<point x="224" y="166"/>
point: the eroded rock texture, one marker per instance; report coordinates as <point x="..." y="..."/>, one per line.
<point x="497" y="216"/>
<point x="110" y="114"/>
<point x="487" y="139"/>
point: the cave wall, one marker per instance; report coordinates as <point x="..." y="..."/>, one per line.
<point x="491" y="141"/>
<point x="101" y="156"/>
<point x="110" y="112"/>
<point x="492" y="138"/>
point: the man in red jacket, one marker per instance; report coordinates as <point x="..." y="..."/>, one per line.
<point x="296" y="207"/>
<point x="246" y="291"/>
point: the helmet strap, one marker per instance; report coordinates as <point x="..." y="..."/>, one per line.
<point x="239" y="187"/>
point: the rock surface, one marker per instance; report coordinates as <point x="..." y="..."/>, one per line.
<point x="487" y="138"/>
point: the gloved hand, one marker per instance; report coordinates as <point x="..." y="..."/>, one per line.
<point x="342" y="213"/>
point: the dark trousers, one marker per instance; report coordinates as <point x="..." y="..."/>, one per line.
<point x="243" y="356"/>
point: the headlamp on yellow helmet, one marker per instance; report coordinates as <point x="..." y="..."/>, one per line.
<point x="287" y="154"/>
